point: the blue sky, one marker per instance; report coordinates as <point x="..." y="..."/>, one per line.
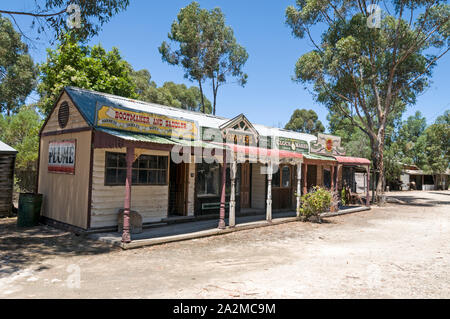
<point x="270" y="96"/>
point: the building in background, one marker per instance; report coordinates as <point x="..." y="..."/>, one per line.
<point x="7" y="162"/>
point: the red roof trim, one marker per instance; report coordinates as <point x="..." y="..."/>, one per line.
<point x="352" y="160"/>
<point x="258" y="151"/>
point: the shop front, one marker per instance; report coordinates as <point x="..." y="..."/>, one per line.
<point x="103" y="156"/>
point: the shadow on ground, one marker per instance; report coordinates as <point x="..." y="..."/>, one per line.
<point x="22" y="247"/>
<point x="411" y="200"/>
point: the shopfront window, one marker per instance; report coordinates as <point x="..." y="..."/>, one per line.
<point x="147" y="170"/>
<point x="208" y="179"/>
<point x="286" y="176"/>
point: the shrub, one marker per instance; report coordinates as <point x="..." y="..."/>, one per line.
<point x="315" y="202"/>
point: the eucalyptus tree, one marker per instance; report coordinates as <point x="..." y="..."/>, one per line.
<point x="86" y="17"/>
<point x="370" y="63"/>
<point x="305" y="121"/>
<point x="17" y="69"/>
<point x="207" y="49"/>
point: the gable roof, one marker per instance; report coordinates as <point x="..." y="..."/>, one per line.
<point x="6" y="149"/>
<point x="86" y="102"/>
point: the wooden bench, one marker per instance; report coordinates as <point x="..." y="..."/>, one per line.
<point x="211" y="206"/>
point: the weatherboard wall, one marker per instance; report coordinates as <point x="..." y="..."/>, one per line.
<point x="150" y="201"/>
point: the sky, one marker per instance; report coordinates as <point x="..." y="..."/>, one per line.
<point x="270" y="96"/>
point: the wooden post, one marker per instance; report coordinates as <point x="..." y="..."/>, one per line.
<point x="332" y="178"/>
<point x="368" y="186"/>
<point x="126" y="238"/>
<point x="299" y="189"/>
<point x="232" y="220"/>
<point x="269" y="192"/>
<point x="305" y="180"/>
<point x="222" y="197"/>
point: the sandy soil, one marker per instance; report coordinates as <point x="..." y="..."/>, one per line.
<point x="397" y="251"/>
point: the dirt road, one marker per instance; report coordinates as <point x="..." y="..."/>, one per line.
<point x="398" y="251"/>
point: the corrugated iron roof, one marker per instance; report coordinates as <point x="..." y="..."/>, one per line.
<point x="352" y="160"/>
<point x="5" y="148"/>
<point x="87" y="100"/>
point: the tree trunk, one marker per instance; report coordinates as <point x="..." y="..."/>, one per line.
<point x="201" y="94"/>
<point x="380" y="165"/>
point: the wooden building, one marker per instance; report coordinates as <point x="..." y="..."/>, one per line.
<point x="7" y="162"/>
<point x="101" y="153"/>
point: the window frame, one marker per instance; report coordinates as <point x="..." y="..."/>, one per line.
<point x="136" y="169"/>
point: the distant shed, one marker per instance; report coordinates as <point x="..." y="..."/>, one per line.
<point x="7" y="161"/>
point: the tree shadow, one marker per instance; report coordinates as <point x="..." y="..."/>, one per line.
<point x="23" y="247"/>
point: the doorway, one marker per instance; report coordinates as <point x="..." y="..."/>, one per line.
<point x="178" y="189"/>
<point x="282" y="187"/>
<point x="245" y="185"/>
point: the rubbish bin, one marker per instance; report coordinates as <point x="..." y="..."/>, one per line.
<point x="29" y="209"/>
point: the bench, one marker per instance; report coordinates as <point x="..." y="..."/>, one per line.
<point x="210" y="206"/>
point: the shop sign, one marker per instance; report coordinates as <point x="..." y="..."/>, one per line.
<point x="61" y="157"/>
<point x="148" y="123"/>
<point x="293" y="145"/>
<point x="327" y="145"/>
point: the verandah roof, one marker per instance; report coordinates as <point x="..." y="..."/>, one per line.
<point x="352" y="160"/>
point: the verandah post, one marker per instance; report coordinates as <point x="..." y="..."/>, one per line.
<point x="126" y="238"/>
<point x="269" y="192"/>
<point x="232" y="217"/>
<point x="222" y="197"/>
<point x="299" y="190"/>
<point x="368" y="186"/>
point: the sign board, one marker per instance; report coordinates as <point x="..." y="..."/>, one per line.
<point x="290" y="144"/>
<point x="148" y="123"/>
<point x="61" y="157"/>
<point x="327" y="145"/>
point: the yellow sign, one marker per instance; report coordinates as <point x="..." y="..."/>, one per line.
<point x="141" y="122"/>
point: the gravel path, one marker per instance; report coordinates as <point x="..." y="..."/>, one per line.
<point x="396" y="251"/>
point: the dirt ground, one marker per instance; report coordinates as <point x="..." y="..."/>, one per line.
<point x="398" y="251"/>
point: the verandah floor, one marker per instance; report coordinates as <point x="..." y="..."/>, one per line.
<point x="195" y="229"/>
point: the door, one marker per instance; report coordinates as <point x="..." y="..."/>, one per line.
<point x="282" y="187"/>
<point x="178" y="189"/>
<point x="245" y="185"/>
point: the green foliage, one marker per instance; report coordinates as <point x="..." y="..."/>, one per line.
<point x="316" y="202"/>
<point x="73" y="64"/>
<point x="17" y="70"/>
<point x="437" y="141"/>
<point x="52" y="15"/>
<point x="171" y="94"/>
<point x="207" y="48"/>
<point x="369" y="75"/>
<point x="305" y="121"/>
<point x="21" y="132"/>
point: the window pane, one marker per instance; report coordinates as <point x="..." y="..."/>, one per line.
<point x="136" y="163"/>
<point x="122" y="160"/>
<point x="111" y="160"/>
<point x="153" y="162"/>
<point x="111" y="176"/>
<point x="142" y="177"/>
<point x="143" y="162"/>
<point x="276" y="179"/>
<point x="286" y="176"/>
<point x="121" y="176"/>
<point x="162" y="162"/>
<point x="208" y="176"/>
<point x="162" y="177"/>
<point x="134" y="180"/>
<point x="152" y="177"/>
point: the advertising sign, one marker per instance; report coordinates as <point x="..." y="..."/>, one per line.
<point x="327" y="145"/>
<point x="142" y="122"/>
<point x="61" y="157"/>
<point x="293" y="145"/>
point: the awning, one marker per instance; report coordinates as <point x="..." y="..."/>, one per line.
<point x="119" y="137"/>
<point x="352" y="160"/>
<point x="261" y="152"/>
<point x="320" y="157"/>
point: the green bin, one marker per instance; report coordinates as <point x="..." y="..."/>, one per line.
<point x="29" y="209"/>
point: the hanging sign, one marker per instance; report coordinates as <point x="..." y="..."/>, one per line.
<point x="293" y="145"/>
<point x="142" y="122"/>
<point x="327" y="145"/>
<point x="61" y="157"/>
